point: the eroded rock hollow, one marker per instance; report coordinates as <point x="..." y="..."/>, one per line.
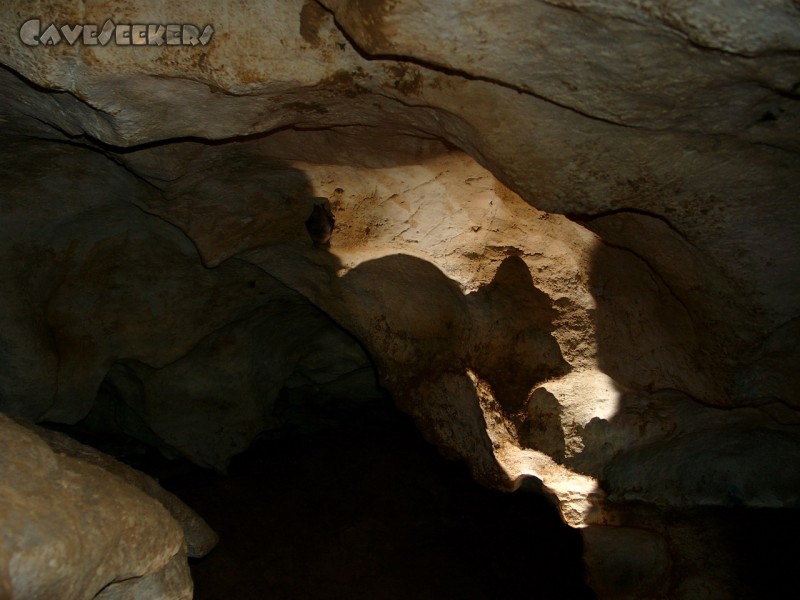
<point x="565" y="243"/>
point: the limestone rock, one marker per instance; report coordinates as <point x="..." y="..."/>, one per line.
<point x="530" y="46"/>
<point x="210" y="404"/>
<point x="200" y="538"/>
<point x="442" y="273"/>
<point x="171" y="582"/>
<point x="626" y="562"/>
<point x="706" y="468"/>
<point x="566" y="239"/>
<point x="687" y="113"/>
<point x="73" y="530"/>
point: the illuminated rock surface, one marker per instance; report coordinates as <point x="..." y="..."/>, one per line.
<point x="566" y="242"/>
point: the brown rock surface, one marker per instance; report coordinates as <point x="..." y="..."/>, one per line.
<point x="70" y="529"/>
<point x="200" y="538"/>
<point x="642" y="348"/>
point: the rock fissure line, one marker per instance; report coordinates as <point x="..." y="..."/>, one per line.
<point x="451" y="71"/>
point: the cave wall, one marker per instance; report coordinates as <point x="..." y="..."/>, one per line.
<point x="565" y="239"/>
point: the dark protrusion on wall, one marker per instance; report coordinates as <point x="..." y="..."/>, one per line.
<point x="320" y="225"/>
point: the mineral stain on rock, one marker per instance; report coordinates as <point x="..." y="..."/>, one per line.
<point x="311" y="17"/>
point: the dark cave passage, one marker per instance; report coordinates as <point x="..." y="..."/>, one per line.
<point x="369" y="510"/>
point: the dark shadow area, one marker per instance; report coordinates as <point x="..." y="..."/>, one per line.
<point x="754" y="543"/>
<point x="678" y="457"/>
<point x="369" y="510"/>
<point x="516" y="350"/>
<point x="761" y="540"/>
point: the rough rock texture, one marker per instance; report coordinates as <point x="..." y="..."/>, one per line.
<point x="636" y="355"/>
<point x="70" y="529"/>
<point x="200" y="538"/>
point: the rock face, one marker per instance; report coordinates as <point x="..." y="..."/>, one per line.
<point x="200" y="538"/>
<point x="565" y="242"/>
<point x="72" y="529"/>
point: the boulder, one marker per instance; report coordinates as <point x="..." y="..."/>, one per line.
<point x="73" y="530"/>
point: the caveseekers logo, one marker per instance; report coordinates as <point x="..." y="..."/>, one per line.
<point x="33" y="33"/>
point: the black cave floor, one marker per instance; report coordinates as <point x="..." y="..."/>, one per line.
<point x="370" y="511"/>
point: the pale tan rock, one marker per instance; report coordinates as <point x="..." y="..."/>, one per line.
<point x="670" y="94"/>
<point x="70" y="528"/>
<point x="592" y="353"/>
<point x="200" y="538"/>
<point x="532" y="46"/>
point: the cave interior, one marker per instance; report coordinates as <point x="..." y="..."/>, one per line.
<point x="399" y="313"/>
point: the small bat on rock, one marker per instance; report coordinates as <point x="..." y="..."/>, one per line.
<point x="320" y="225"/>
